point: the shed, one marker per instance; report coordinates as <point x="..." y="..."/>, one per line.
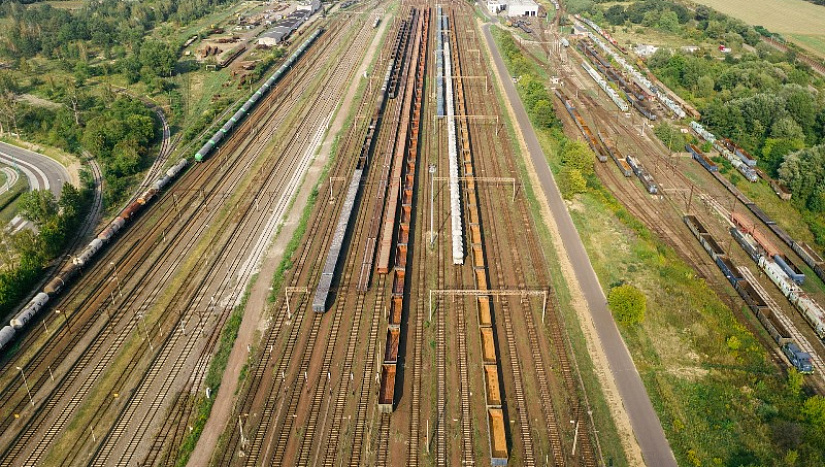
<point x="522" y="8"/>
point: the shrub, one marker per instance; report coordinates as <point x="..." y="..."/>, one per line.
<point x="628" y="304"/>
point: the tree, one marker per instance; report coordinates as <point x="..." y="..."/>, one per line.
<point x="571" y="182"/>
<point x="786" y="128"/>
<point x="795" y="381"/>
<point x="615" y="15"/>
<point x="158" y="57"/>
<point x="814" y="412"/>
<point x="704" y="86"/>
<point x="668" y="21"/>
<point x="38" y="206"/>
<point x="577" y="155"/>
<point x="544" y="114"/>
<point x="775" y="150"/>
<point x="702" y="13"/>
<point x="670" y="136"/>
<point x="628" y="304"/>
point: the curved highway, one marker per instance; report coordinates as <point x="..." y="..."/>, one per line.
<point x="643" y="419"/>
<point x="11" y="178"/>
<point x="43" y="173"/>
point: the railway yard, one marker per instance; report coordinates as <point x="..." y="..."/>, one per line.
<point x="415" y="322"/>
<point x="354" y="363"/>
<point x="674" y="189"/>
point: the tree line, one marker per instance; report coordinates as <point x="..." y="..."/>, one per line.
<point x="110" y="27"/>
<point x="26" y="253"/>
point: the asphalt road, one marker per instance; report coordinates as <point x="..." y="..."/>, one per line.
<point x="43" y="173"/>
<point x="643" y="419"/>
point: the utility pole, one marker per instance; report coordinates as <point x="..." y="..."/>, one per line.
<point x="26" y="383"/>
<point x="432" y="200"/>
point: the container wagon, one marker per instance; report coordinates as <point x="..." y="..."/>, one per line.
<point x="790" y="268"/>
<point x="641" y="106"/>
<point x="701" y="158"/>
<point x="799" y="359"/>
<point x="730" y="271"/>
<point x="741" y="153"/>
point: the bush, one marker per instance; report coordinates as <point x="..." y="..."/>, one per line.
<point x="571" y="182"/>
<point x="628" y="304"/>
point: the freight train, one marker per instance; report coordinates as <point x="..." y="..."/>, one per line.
<point x="632" y="71"/>
<point x="811" y="257"/>
<point x="206" y="150"/>
<point x="588" y="135"/>
<point x="643" y="174"/>
<point x="21" y="320"/>
<point x="755" y="302"/>
<point x="615" y="154"/>
<point x="634" y="93"/>
<point x="723" y="145"/>
<point x="701" y="158"/>
<point x="782" y="277"/>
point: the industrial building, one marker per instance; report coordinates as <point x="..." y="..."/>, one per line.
<point x="284" y="28"/>
<point x="514" y="8"/>
<point x="495" y="6"/>
<point x="522" y="8"/>
<point x="308" y="5"/>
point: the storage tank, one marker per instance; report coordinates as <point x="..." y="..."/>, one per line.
<point x="777" y="276"/>
<point x="28" y="312"/>
<point x="113" y="228"/>
<point x="6" y="335"/>
<point x="88" y="252"/>
<point x="813" y="313"/>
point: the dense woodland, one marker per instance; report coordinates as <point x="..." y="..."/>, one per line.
<point x="56" y="72"/>
<point x="70" y="58"/>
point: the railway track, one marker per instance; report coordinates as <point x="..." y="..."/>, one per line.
<point x="243" y="271"/>
<point x="424" y="257"/>
<point x="526" y="255"/>
<point x="164" y="235"/>
<point x="279" y="445"/>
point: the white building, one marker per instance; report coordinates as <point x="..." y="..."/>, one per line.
<point x="495" y="6"/>
<point x="522" y="8"/>
<point x="308" y="5"/>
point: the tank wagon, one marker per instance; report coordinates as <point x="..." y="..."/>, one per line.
<point x="6" y="336"/>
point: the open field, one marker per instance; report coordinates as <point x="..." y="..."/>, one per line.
<point x="797" y="19"/>
<point x="783" y="16"/>
<point x="814" y="43"/>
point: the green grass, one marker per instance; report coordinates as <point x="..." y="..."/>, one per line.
<point x="608" y="436"/>
<point x="203" y="405"/>
<point x="812" y="42"/>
